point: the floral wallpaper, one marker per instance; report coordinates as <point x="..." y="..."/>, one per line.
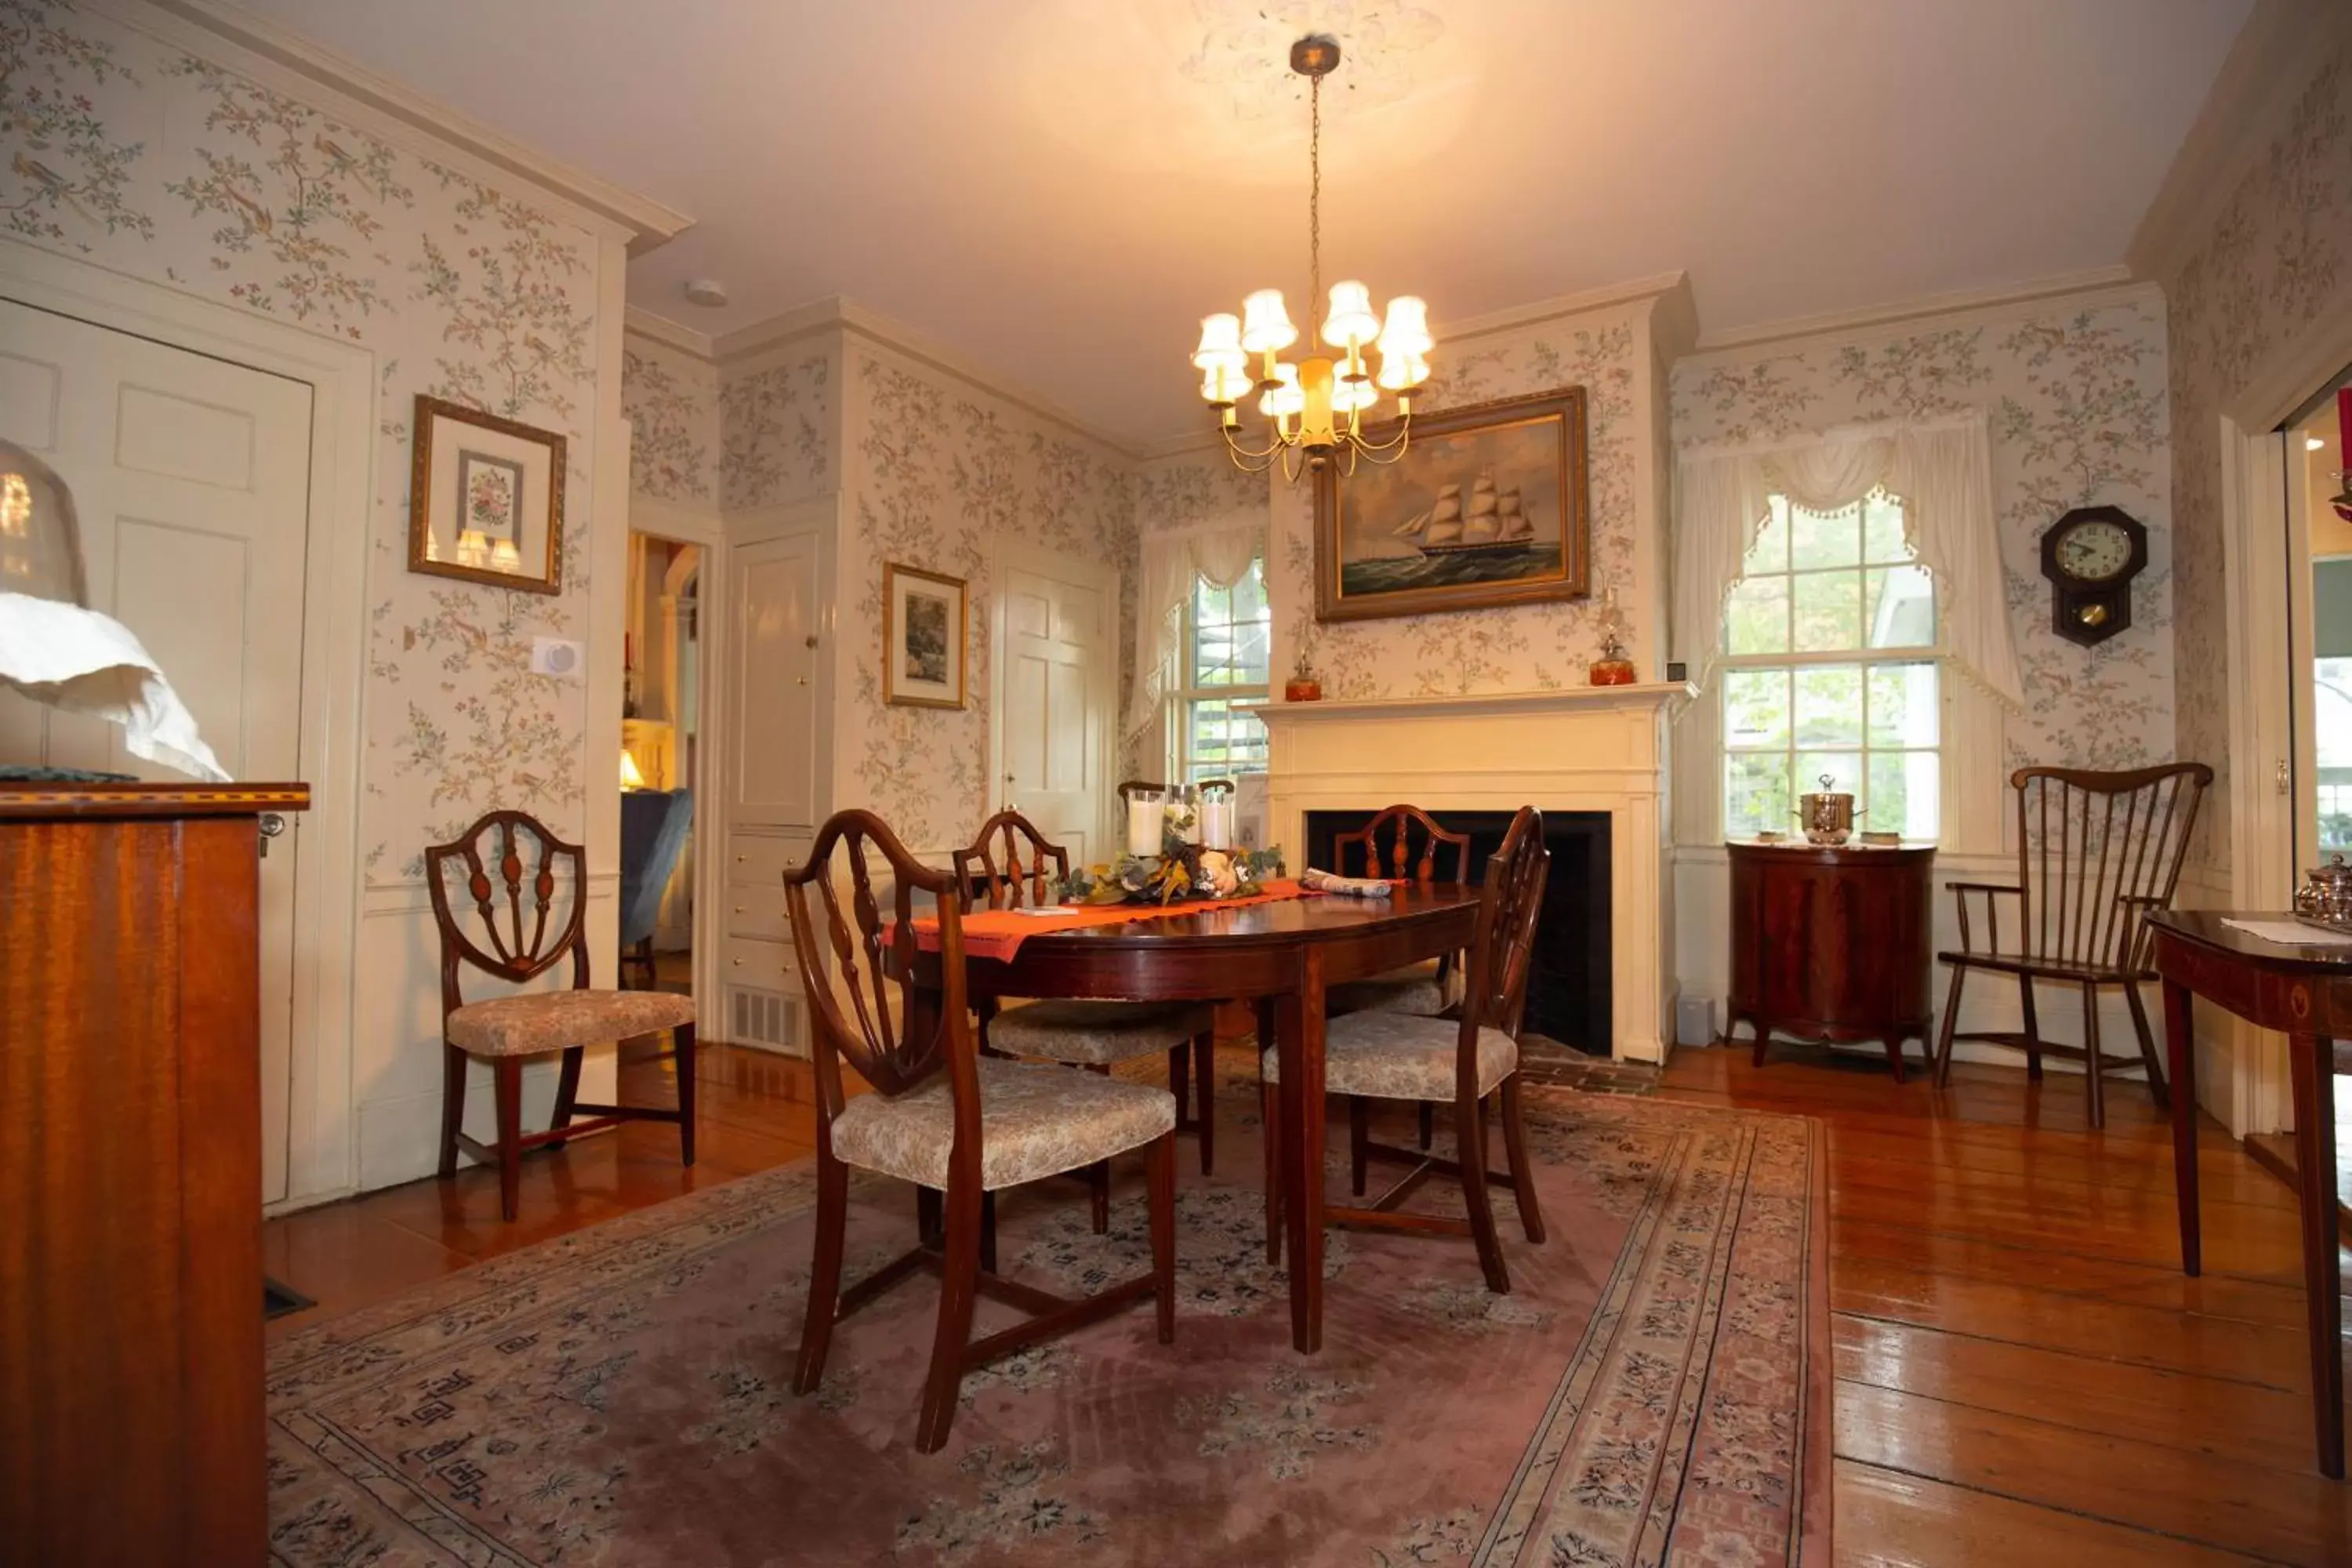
<point x="672" y="402"/>
<point x="2279" y="254"/>
<point x="165" y="166"/>
<point x="939" y="472"/>
<point x="775" y="432"/>
<point x="1527" y="647"/>
<point x="2075" y="399"/>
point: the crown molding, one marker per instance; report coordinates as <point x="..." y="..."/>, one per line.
<point x="902" y="338"/>
<point x="670" y="334"/>
<point x="2099" y="285"/>
<point x="1661" y="286"/>
<point x="2283" y="44"/>
<point x="197" y="24"/>
<point x="789" y="326"/>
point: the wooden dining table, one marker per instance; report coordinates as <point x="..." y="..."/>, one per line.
<point x="1281" y="957"/>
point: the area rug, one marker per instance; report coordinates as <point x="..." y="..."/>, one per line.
<point x="1654" y="1389"/>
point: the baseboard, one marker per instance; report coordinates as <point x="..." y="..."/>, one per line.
<point x="2275" y="1153"/>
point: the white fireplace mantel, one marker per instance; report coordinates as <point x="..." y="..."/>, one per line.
<point x="1591" y="749"/>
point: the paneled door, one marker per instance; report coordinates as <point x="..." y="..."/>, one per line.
<point x="191" y="476"/>
<point x="1056" y="677"/>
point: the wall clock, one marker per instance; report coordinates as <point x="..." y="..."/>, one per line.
<point x="2091" y="556"/>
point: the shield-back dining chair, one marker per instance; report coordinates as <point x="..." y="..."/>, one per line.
<point x="943" y="1117"/>
<point x="537" y="875"/>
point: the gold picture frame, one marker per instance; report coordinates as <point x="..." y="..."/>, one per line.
<point x="926" y="623"/>
<point x="485" y="498"/>
<point x="1490" y="505"/>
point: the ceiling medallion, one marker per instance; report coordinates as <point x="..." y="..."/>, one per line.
<point x="1314" y="409"/>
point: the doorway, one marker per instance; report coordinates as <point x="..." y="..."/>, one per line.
<point x="2319" y="547"/>
<point x="1055" y="672"/>
<point x="662" y="744"/>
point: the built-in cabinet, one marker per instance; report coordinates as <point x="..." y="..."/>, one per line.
<point x="775" y="778"/>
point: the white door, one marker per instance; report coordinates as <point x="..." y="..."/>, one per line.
<point x="773" y="684"/>
<point x="1056" y="676"/>
<point x="191" y="478"/>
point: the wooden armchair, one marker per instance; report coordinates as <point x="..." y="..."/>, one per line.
<point x="2096" y="853"/>
<point x="1423" y="990"/>
<point x="943" y="1119"/>
<point x="507" y="1030"/>
<point x="1014" y="865"/>
<point x="1468" y="1061"/>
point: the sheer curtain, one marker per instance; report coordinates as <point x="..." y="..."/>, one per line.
<point x="1172" y="559"/>
<point x="1942" y="472"/>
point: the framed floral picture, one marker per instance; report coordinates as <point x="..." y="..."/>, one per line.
<point x="923" y="630"/>
<point x="1487" y="506"/>
<point x="486" y="498"/>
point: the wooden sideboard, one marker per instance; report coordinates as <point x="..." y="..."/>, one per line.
<point x="130" y="1344"/>
<point x="1831" y="944"/>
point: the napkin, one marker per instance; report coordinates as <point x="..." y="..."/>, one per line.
<point x="84" y="662"/>
<point x="1352" y="886"/>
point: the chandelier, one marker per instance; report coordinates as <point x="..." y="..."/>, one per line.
<point x="1314" y="409"/>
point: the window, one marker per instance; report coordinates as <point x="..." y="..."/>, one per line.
<point x="1831" y="668"/>
<point x="1226" y="634"/>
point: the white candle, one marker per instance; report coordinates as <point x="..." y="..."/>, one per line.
<point x="1217" y="823"/>
<point x="1143" y="825"/>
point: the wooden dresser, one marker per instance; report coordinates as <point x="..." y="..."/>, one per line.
<point x="131" y="1370"/>
<point x="1831" y="944"/>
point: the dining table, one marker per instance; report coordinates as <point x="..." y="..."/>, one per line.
<point x="1281" y="957"/>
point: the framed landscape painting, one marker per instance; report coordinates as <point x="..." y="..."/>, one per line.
<point x="922" y="638"/>
<point x="1488" y="506"/>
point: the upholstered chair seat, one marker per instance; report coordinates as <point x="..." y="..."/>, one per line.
<point x="1394" y="1055"/>
<point x="558" y="1020"/>
<point x="1096" y="1034"/>
<point x="1035" y="1121"/>
<point x="1417" y="989"/>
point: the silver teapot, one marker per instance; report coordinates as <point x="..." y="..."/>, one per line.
<point x="2325" y="895"/>
<point x="1827" y="816"/>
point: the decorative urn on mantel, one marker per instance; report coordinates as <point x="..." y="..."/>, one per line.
<point x="1612" y="668"/>
<point x="1302" y="686"/>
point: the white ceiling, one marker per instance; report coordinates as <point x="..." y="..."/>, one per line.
<point x="1058" y="189"/>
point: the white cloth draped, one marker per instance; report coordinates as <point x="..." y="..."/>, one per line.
<point x="84" y="662"/>
<point x="1942" y="472"/>
<point x="1173" y="560"/>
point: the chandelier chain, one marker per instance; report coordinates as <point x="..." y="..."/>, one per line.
<point x="1314" y="201"/>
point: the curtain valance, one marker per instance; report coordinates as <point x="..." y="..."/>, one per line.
<point x="1172" y="559"/>
<point x="1942" y="473"/>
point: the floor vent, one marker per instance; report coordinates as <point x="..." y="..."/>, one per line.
<point x="765" y="1018"/>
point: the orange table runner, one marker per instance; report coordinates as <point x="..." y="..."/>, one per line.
<point x="999" y="933"/>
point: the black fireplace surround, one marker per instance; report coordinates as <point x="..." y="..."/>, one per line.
<point x="1568" y="977"/>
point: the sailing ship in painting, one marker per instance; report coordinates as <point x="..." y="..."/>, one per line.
<point x="1495" y="521"/>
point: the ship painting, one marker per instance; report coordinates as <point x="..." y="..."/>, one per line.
<point x="1488" y="506"/>
<point x="1495" y="521"/>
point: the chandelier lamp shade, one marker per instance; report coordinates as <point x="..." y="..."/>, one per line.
<point x="1314" y="405"/>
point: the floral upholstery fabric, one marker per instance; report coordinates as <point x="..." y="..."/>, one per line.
<point x="1393" y="1056"/>
<point x="1035" y="1121"/>
<point x="1413" y="989"/>
<point x="557" y="1020"/>
<point x="1096" y="1034"/>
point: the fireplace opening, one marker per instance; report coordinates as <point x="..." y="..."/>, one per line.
<point x="1569" y="973"/>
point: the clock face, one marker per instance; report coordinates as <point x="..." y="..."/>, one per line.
<point x="2093" y="551"/>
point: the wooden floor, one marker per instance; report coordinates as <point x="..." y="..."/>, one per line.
<point x="2024" y="1376"/>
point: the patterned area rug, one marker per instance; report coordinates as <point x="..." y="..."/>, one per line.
<point x="1653" y="1390"/>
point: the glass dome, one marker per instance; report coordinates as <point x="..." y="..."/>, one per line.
<point x="40" y="542"/>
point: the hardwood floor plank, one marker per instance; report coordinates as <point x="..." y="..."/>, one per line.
<point x="2156" y="1405"/>
<point x="1886" y="1520"/>
<point x="2290" y="1515"/>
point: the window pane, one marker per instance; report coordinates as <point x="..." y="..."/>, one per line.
<point x="1251" y="653"/>
<point x="1756" y="619"/>
<point x="1828" y="611"/>
<point x="1755" y="793"/>
<point x="1904" y="787"/>
<point x="1882" y="530"/>
<point x="1844" y="768"/>
<point x="1902" y="607"/>
<point x="1770" y="551"/>
<point x="1903" y="708"/>
<point x="1212" y="605"/>
<point x="1755" y="708"/>
<point x="1824" y="538"/>
<point x="1249" y="594"/>
<point x="1829" y="706"/>
<point x="1225" y="740"/>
